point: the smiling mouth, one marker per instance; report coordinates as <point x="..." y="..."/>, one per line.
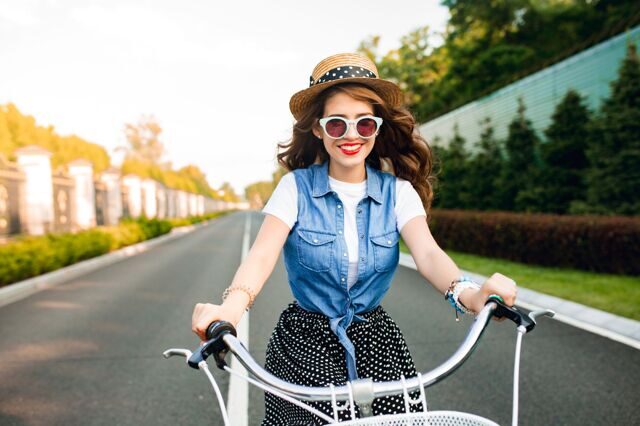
<point x="350" y="149"/>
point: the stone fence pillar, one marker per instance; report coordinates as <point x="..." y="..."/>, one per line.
<point x="149" y="201"/>
<point x="134" y="195"/>
<point x="11" y="198"/>
<point x="200" y="205"/>
<point x="161" y="201"/>
<point x="111" y="179"/>
<point x="193" y="204"/>
<point x="81" y="172"/>
<point x="183" y="204"/>
<point x="172" y="202"/>
<point x="35" y="163"/>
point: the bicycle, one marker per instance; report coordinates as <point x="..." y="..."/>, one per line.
<point x="221" y="339"/>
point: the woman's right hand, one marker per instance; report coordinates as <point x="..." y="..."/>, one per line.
<point x="206" y="313"/>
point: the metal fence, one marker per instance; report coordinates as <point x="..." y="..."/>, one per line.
<point x="36" y="200"/>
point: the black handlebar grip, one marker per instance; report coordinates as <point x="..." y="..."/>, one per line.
<point x="511" y="312"/>
<point x="214" y="345"/>
<point x="218" y="328"/>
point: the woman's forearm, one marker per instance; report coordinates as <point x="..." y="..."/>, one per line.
<point x="251" y="275"/>
<point x="438" y="268"/>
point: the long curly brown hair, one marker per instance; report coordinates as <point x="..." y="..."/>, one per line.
<point x="398" y="149"/>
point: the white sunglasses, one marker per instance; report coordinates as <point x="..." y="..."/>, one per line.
<point x="337" y="127"/>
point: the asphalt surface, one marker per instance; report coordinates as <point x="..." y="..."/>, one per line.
<point x="89" y="352"/>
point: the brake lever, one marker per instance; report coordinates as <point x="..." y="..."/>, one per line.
<point x="512" y="313"/>
<point x="213" y="346"/>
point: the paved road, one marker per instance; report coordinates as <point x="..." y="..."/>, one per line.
<point x="88" y="352"/>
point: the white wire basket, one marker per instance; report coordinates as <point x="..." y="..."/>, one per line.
<point x="433" y="418"/>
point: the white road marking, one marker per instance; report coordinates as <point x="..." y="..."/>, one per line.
<point x="238" y="399"/>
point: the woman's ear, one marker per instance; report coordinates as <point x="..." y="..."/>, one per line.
<point x="317" y="131"/>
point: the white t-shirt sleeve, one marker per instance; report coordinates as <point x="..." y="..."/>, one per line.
<point x="408" y="203"/>
<point x="283" y="203"/>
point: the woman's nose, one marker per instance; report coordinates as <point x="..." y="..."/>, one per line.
<point x="352" y="133"/>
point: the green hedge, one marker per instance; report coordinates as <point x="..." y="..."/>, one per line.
<point x="31" y="256"/>
<point x="592" y="243"/>
<point x="192" y="220"/>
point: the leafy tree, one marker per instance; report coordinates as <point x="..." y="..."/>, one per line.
<point x="484" y="170"/>
<point x="414" y="66"/>
<point x="258" y="193"/>
<point x="490" y="44"/>
<point x="564" y="156"/>
<point x="18" y="130"/>
<point x="6" y="141"/>
<point x="521" y="168"/>
<point x="453" y="185"/>
<point x="614" y="175"/>
<point x="228" y="193"/>
<point x="198" y="177"/>
<point x="143" y="138"/>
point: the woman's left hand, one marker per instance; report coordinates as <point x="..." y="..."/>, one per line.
<point x="498" y="284"/>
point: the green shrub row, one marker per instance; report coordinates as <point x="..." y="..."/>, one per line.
<point x="31" y="256"/>
<point x="592" y="243"/>
<point x="192" y="220"/>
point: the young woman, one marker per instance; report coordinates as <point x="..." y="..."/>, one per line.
<point x="360" y="177"/>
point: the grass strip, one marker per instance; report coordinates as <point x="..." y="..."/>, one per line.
<point x="617" y="294"/>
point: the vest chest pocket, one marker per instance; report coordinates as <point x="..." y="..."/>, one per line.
<point x="386" y="252"/>
<point x="315" y="250"/>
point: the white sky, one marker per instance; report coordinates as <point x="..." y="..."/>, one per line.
<point x="217" y="75"/>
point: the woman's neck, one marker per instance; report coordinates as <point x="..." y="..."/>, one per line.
<point x="355" y="174"/>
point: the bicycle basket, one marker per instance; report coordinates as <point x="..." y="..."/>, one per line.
<point x="432" y="418"/>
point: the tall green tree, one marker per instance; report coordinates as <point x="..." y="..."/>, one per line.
<point x="484" y="170"/>
<point x="614" y="175"/>
<point x="415" y="66"/>
<point x="453" y="184"/>
<point x="521" y="167"/>
<point x="489" y="44"/>
<point x="564" y="158"/>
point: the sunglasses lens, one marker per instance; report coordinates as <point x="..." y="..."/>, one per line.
<point x="366" y="127"/>
<point x="335" y="128"/>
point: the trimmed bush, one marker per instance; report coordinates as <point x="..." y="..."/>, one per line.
<point x="124" y="234"/>
<point x="192" y="220"/>
<point x="152" y="228"/>
<point x="31" y="256"/>
<point x="593" y="243"/>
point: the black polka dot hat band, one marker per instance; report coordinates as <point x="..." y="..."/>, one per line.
<point x="339" y="69"/>
<point x="343" y="72"/>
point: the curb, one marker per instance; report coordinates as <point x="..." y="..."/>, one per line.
<point x="21" y="289"/>
<point x="614" y="327"/>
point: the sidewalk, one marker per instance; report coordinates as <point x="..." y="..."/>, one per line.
<point x="614" y="327"/>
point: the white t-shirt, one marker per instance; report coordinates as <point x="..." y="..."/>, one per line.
<point x="283" y="204"/>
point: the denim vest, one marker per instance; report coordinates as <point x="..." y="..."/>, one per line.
<point x="316" y="258"/>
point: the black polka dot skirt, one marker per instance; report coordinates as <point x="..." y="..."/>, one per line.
<point x="303" y="350"/>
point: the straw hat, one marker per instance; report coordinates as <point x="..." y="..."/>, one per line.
<point x="339" y="69"/>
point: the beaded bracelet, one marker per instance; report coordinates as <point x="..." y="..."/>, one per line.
<point x="247" y="290"/>
<point x="456" y="288"/>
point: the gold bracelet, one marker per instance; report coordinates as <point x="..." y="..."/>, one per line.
<point x="247" y="290"/>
